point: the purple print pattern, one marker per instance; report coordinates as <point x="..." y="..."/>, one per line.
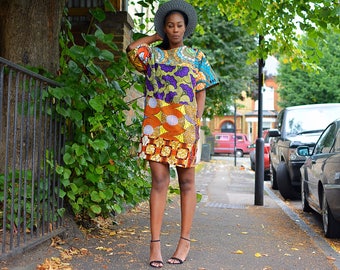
<point x="182" y="72"/>
<point x="159" y="84"/>
<point x="170" y="79"/>
<point x="188" y="91"/>
<point x="170" y="96"/>
<point x="159" y="95"/>
<point x="148" y="85"/>
<point x="167" y="68"/>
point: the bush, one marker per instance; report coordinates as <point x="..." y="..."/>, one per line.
<point x="100" y="173"/>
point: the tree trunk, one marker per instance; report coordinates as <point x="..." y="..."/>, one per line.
<point x="29" y="36"/>
<point x="29" y="32"/>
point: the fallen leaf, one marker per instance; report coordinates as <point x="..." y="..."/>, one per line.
<point x="258" y="255"/>
<point x="294" y="249"/>
<point x="238" y="252"/>
<point x="244" y="232"/>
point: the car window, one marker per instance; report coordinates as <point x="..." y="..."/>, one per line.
<point x="309" y="119"/>
<point x="266" y="138"/>
<point x="239" y="138"/>
<point x="222" y="137"/>
<point x="337" y="142"/>
<point x="326" y="141"/>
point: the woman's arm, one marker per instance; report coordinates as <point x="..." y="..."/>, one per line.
<point x="144" y="40"/>
<point x="200" y="99"/>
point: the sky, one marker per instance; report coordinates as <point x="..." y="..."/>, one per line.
<point x="271" y="66"/>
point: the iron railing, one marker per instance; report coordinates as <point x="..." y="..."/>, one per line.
<point x="31" y="140"/>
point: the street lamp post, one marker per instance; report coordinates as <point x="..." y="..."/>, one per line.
<point x="259" y="164"/>
<point x="235" y="139"/>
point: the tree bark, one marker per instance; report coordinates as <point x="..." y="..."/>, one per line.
<point x="29" y="36"/>
<point x="29" y="32"/>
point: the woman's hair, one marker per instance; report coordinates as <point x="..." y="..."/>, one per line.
<point x="165" y="43"/>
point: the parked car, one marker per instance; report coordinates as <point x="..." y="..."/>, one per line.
<point x="224" y="143"/>
<point x="252" y="154"/>
<point x="296" y="126"/>
<point x="320" y="179"/>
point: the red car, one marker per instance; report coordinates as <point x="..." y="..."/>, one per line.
<point x="252" y="155"/>
<point x="224" y="144"/>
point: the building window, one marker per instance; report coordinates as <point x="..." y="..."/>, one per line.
<point x="228" y="127"/>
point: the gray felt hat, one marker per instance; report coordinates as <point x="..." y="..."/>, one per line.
<point x="175" y="5"/>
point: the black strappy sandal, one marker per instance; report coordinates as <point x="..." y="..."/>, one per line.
<point x="156" y="264"/>
<point x="178" y="260"/>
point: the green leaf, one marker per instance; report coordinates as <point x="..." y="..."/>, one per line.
<point x="106" y="55"/>
<point x="91" y="51"/>
<point x="117" y="208"/>
<point x="90" y="39"/>
<point x="102" y="195"/>
<point x="71" y="196"/>
<point x="96" y="209"/>
<point x="59" y="169"/>
<point x="97" y="104"/>
<point x="61" y="212"/>
<point x="108" y="194"/>
<point x="62" y="193"/>
<point x="99" y="170"/>
<point x="98" y="13"/>
<point x="68" y="159"/>
<point x="74" y="188"/>
<point x="95" y="196"/>
<point x="94" y="178"/>
<point x="198" y="197"/>
<point x="99" y="145"/>
<point x="94" y="69"/>
<point x="67" y="173"/>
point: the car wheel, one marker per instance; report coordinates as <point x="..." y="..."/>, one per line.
<point x="267" y="176"/>
<point x="239" y="153"/>
<point x="304" y="201"/>
<point x="330" y="226"/>
<point x="284" y="184"/>
<point x="252" y="165"/>
<point x="273" y="181"/>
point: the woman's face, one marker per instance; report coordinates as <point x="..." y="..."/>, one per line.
<point x="175" y="28"/>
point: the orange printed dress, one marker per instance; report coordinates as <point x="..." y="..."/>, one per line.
<point x="170" y="129"/>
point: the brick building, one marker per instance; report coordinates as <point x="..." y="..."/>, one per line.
<point x="246" y="118"/>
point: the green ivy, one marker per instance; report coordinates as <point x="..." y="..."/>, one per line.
<point x="24" y="207"/>
<point x="100" y="173"/>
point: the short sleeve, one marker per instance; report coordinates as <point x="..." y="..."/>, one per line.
<point x="139" y="57"/>
<point x="206" y="75"/>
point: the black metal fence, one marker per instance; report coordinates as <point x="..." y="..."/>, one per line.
<point x="31" y="139"/>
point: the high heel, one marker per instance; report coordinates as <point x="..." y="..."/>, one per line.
<point x="176" y="260"/>
<point x="156" y="263"/>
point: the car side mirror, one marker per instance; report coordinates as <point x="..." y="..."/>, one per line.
<point x="303" y="151"/>
<point x="274" y="133"/>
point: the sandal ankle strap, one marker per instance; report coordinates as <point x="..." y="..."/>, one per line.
<point x="186" y="239"/>
<point x="153" y="241"/>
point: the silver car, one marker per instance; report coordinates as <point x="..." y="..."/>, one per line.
<point x="320" y="179"/>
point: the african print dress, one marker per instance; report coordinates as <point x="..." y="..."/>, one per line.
<point x="170" y="129"/>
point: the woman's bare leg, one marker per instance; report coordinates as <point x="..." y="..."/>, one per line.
<point x="186" y="178"/>
<point x="160" y="182"/>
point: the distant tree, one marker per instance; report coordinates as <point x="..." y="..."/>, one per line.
<point x="227" y="47"/>
<point x="280" y="22"/>
<point x="298" y="86"/>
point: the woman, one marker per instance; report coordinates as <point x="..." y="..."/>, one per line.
<point x="176" y="79"/>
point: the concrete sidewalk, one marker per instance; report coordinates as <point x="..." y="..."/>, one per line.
<point x="229" y="232"/>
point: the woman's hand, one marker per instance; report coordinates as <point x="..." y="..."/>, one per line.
<point x="147" y="39"/>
